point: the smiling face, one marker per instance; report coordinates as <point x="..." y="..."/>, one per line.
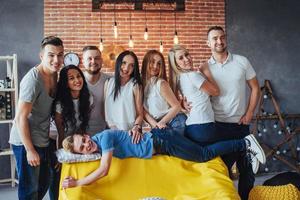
<point x="184" y="59"/>
<point x="155" y="65"/>
<point x="84" y="144"/>
<point x="52" y="57"/>
<point x="127" y="67"/>
<point x="75" y="82"/>
<point x="92" y="61"/>
<point x="217" y="41"/>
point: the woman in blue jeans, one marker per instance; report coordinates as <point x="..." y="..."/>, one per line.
<point x="161" y="107"/>
<point x="118" y="143"/>
<point x="197" y="88"/>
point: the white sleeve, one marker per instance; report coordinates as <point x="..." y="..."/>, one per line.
<point x="250" y="73"/>
<point x="196" y="79"/>
<point x="58" y="108"/>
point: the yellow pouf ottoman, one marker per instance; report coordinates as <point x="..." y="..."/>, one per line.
<point x="283" y="192"/>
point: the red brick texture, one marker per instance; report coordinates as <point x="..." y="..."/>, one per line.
<point x="77" y="25"/>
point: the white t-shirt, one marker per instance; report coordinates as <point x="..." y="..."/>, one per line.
<point x="120" y="113"/>
<point x="231" y="77"/>
<point x="201" y="111"/>
<point x="97" y="118"/>
<point x="58" y="109"/>
<point x="154" y="102"/>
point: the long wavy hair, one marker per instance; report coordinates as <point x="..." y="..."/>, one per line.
<point x="146" y="65"/>
<point x="135" y="74"/>
<point x="64" y="97"/>
<point x="174" y="68"/>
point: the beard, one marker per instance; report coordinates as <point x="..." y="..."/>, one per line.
<point x="221" y="49"/>
<point x="94" y="72"/>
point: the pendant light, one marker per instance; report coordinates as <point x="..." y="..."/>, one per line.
<point x="130" y="42"/>
<point x="176" y="40"/>
<point x="161" y="46"/>
<point x="146" y="35"/>
<point x="101" y="47"/>
<point x="115" y="27"/>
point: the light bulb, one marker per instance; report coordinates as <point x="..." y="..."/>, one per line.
<point x="275" y="125"/>
<point x="274" y="158"/>
<point x="265" y="129"/>
<point x="266" y="169"/>
<point x="176" y="41"/>
<point x="279" y="132"/>
<point x="284" y="151"/>
<point x="101" y="45"/>
<point x="259" y="134"/>
<point x="277" y="152"/>
<point x="146" y="34"/>
<point x="161" y="47"/>
<point x="265" y="96"/>
<point x="298" y="148"/>
<point x="130" y="43"/>
<point x="116" y="30"/>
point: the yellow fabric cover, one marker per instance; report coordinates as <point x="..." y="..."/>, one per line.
<point x="283" y="192"/>
<point x="162" y="176"/>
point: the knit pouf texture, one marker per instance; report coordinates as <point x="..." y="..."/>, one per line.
<point x="283" y="192"/>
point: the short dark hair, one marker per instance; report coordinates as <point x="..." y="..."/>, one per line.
<point x="53" y="40"/>
<point x="86" y="48"/>
<point x="215" y="28"/>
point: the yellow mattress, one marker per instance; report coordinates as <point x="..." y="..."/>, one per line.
<point x="162" y="176"/>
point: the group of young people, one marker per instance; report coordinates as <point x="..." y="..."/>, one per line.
<point x="97" y="112"/>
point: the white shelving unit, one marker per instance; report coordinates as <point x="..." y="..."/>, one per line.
<point x="12" y="73"/>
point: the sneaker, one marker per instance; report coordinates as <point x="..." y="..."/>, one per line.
<point x="255" y="149"/>
<point x="255" y="164"/>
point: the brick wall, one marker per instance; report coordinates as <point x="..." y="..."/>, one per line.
<point x="77" y="25"/>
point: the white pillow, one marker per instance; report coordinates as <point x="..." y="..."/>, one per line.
<point x="68" y="157"/>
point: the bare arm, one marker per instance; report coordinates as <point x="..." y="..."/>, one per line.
<point x="60" y="128"/>
<point x="150" y="119"/>
<point x="253" y="99"/>
<point x="169" y="96"/>
<point x="99" y="173"/>
<point x="137" y="128"/>
<point x="210" y="85"/>
<point x="24" y="109"/>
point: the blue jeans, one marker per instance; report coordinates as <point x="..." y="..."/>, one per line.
<point x="179" y="146"/>
<point x="177" y="124"/>
<point x="54" y="172"/>
<point x="33" y="181"/>
<point x="229" y="131"/>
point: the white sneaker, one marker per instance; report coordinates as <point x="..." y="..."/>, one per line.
<point x="255" y="149"/>
<point x="255" y="164"/>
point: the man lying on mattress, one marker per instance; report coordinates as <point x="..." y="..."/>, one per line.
<point x="118" y="143"/>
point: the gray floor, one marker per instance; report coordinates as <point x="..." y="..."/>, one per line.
<point x="9" y="193"/>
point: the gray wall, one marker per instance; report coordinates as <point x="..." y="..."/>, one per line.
<point x="268" y="33"/>
<point x="21" y="31"/>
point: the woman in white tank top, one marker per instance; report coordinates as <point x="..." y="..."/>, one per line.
<point x="123" y="96"/>
<point x="197" y="88"/>
<point x="161" y="107"/>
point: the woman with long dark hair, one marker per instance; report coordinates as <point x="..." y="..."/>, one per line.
<point x="72" y="104"/>
<point x="123" y="96"/>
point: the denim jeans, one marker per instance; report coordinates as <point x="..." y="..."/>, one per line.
<point x="33" y="181"/>
<point x="229" y="131"/>
<point x="177" y="124"/>
<point x="179" y="146"/>
<point x="54" y="172"/>
<point x="202" y="134"/>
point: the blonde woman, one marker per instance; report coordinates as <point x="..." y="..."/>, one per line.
<point x="161" y="107"/>
<point x="197" y="88"/>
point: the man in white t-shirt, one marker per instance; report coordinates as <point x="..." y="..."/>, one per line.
<point x="233" y="73"/>
<point x="95" y="79"/>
